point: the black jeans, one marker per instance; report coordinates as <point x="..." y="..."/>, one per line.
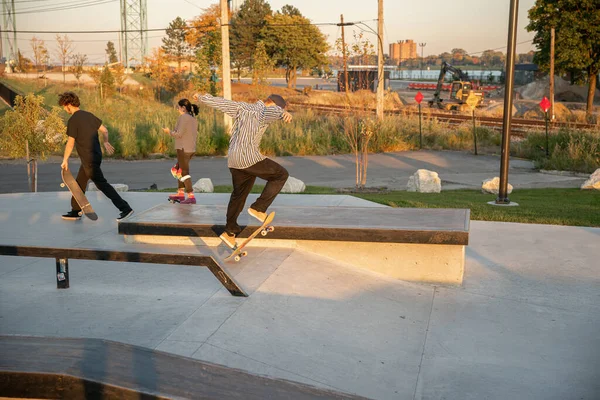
<point x="243" y="180"/>
<point x="183" y="159"/>
<point x="92" y="171"/>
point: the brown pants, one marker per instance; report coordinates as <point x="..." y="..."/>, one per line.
<point x="183" y="159"/>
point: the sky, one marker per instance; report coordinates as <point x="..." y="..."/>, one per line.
<point x="473" y="25"/>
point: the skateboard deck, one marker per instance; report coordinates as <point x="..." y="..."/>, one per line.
<point x="70" y="182"/>
<point x="238" y="252"/>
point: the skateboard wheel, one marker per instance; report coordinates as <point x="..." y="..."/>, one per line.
<point x="237" y="258"/>
<point x="264" y="232"/>
<point x="244" y="254"/>
<point x="270" y="229"/>
<point x="62" y="185"/>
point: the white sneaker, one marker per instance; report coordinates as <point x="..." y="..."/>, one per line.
<point x="261" y="216"/>
<point x="228" y="239"/>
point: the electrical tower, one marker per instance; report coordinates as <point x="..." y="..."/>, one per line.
<point x="134" y="32"/>
<point x="9" y="31"/>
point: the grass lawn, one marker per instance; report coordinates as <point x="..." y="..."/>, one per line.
<point x="536" y="206"/>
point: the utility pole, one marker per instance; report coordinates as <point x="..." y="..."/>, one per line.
<point x="422" y="45"/>
<point x="380" y="74"/>
<point x="508" y="102"/>
<point x="552" y="37"/>
<point x="226" y="60"/>
<point x="344" y="54"/>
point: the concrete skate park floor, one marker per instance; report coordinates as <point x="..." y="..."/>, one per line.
<point x="523" y="325"/>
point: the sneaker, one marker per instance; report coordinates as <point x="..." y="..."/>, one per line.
<point x="179" y="197"/>
<point x="189" y="200"/>
<point x="72" y="215"/>
<point x="228" y="239"/>
<point x="261" y="216"/>
<point x="124" y="214"/>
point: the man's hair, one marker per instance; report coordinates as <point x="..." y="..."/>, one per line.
<point x="66" y="98"/>
<point x="278" y="100"/>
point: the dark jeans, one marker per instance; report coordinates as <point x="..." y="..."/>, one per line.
<point x="94" y="173"/>
<point x="183" y="159"/>
<point x="243" y="180"/>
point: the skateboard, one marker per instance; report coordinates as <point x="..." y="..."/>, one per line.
<point x="238" y="252"/>
<point x="78" y="194"/>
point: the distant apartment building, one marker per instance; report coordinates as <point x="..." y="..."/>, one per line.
<point x="403" y="50"/>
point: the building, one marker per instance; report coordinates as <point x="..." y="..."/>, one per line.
<point x="403" y="50"/>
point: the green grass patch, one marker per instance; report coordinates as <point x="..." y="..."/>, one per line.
<point x="536" y="206"/>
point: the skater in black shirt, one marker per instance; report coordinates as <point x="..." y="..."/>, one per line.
<point x="82" y="130"/>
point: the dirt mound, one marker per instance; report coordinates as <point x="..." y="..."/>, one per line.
<point x="563" y="90"/>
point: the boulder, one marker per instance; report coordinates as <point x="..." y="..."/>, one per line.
<point x="204" y="185"/>
<point x="424" y="181"/>
<point x="293" y="185"/>
<point x="493" y="186"/>
<point x="119" y="187"/>
<point x="593" y="182"/>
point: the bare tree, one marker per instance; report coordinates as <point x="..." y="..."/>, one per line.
<point x="64" y="51"/>
<point x="39" y="52"/>
<point x="77" y="68"/>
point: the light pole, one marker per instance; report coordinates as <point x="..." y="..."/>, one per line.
<point x="422" y="45"/>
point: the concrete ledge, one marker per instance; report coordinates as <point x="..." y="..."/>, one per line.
<point x="428" y="263"/>
<point x="418" y="245"/>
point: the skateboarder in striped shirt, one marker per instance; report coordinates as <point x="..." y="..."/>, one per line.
<point x="245" y="162"/>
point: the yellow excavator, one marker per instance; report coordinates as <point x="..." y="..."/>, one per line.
<point x="460" y="91"/>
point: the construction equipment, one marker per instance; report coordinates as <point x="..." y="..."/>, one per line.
<point x="460" y="90"/>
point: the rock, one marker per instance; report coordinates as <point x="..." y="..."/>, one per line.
<point x="492" y="186"/>
<point x="593" y="182"/>
<point x="204" y="185"/>
<point x="119" y="187"/>
<point x="293" y="185"/>
<point x="424" y="181"/>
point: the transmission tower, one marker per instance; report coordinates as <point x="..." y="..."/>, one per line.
<point x="9" y="31"/>
<point x="134" y="32"/>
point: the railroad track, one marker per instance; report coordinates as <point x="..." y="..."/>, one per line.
<point x="518" y="125"/>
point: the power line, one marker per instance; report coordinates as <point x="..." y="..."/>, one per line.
<point x="60" y="7"/>
<point x="187" y="27"/>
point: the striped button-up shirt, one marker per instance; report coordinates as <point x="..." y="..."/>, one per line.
<point x="249" y="124"/>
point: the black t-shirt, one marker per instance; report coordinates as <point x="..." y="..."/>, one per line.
<point x="83" y="127"/>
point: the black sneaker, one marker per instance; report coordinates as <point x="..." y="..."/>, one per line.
<point x="125" y="214"/>
<point x="72" y="215"/>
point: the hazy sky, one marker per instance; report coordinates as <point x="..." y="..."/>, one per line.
<point x="474" y="25"/>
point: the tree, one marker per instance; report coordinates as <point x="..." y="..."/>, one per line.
<point x="246" y="31"/>
<point x="293" y="43"/>
<point x="175" y="45"/>
<point x="77" y="68"/>
<point x="577" y="44"/>
<point x="31" y="132"/>
<point x="64" y="51"/>
<point x="118" y="72"/>
<point x="492" y="58"/>
<point x="107" y="81"/>
<point x="363" y="50"/>
<point x="290" y="10"/>
<point x="205" y="37"/>
<point x="39" y="50"/>
<point x="159" y="69"/>
<point x="262" y="65"/>
<point x="111" y="53"/>
<point x="23" y="63"/>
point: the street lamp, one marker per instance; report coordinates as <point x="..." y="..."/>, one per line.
<point x="422" y="45"/>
